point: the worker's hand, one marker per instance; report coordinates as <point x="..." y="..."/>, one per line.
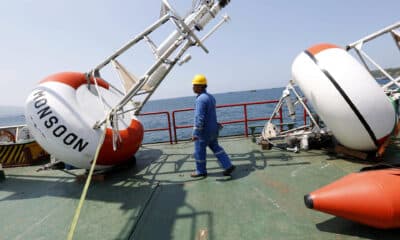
<point x="194" y="138"/>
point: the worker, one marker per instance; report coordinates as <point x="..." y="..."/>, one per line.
<point x="205" y="130"/>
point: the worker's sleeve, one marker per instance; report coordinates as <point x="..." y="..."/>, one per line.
<point x="199" y="117"/>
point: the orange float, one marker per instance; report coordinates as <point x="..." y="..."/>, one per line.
<point x="370" y="197"/>
<point x="61" y="112"/>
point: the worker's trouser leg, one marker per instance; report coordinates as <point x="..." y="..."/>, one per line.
<point x="220" y="153"/>
<point x="200" y="155"/>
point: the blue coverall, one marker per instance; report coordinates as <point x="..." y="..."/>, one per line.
<point x="206" y="130"/>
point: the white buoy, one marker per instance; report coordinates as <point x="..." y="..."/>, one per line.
<point x="61" y="112"/>
<point x="345" y="96"/>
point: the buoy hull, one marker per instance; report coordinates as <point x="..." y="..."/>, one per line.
<point x="61" y="112"/>
<point x="345" y="96"/>
<point x="369" y="198"/>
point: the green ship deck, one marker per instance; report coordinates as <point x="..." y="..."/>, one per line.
<point x="157" y="199"/>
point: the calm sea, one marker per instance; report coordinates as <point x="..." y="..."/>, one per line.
<point x="15" y="115"/>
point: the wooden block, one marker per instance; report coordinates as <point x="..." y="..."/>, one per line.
<point x="95" y="177"/>
<point x="382" y="148"/>
<point x="351" y="152"/>
<point x="99" y="178"/>
<point x="265" y="145"/>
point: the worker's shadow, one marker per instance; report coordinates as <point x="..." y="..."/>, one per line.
<point x="247" y="163"/>
<point x="152" y="163"/>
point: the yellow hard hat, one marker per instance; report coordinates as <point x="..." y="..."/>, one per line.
<point x="199" y="79"/>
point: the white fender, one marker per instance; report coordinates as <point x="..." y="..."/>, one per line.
<point x="61" y="112"/>
<point x="345" y="95"/>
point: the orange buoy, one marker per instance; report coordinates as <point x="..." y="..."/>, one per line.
<point x="61" y="112"/>
<point x="370" y="197"/>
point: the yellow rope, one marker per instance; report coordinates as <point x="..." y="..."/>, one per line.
<point x="87" y="183"/>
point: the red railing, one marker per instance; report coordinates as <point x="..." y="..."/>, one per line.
<point x="244" y="120"/>
<point x="160" y="129"/>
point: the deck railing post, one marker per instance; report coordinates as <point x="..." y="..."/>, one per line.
<point x="246" y="131"/>
<point x="169" y="127"/>
<point x="160" y="129"/>
<point x="174" y="125"/>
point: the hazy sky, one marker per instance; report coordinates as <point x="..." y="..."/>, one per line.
<point x="254" y="50"/>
